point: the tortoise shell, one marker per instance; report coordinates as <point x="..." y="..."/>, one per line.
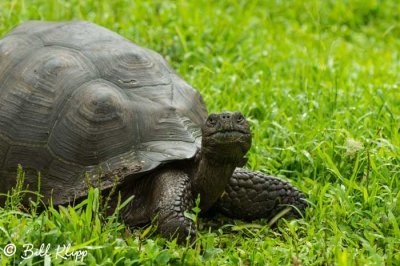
<point x="76" y="97"/>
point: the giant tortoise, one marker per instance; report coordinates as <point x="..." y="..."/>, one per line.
<point x="76" y="97"/>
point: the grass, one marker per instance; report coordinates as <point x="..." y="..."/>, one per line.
<point x="319" y="82"/>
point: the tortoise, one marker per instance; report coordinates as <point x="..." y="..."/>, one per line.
<point x="76" y="97"/>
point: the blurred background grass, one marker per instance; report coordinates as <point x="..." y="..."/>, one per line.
<point x="319" y="82"/>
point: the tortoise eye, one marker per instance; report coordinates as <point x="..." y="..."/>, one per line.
<point x="240" y="119"/>
<point x="211" y="121"/>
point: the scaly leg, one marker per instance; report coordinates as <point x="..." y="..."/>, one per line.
<point x="165" y="195"/>
<point x="172" y="196"/>
<point x="252" y="195"/>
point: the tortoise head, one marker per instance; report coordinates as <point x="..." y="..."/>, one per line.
<point x="226" y="136"/>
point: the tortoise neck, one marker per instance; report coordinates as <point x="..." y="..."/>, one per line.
<point x="210" y="179"/>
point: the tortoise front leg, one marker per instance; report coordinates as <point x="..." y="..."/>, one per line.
<point x="252" y="195"/>
<point x="171" y="197"/>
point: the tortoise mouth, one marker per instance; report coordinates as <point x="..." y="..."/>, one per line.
<point x="230" y="135"/>
<point x="228" y="144"/>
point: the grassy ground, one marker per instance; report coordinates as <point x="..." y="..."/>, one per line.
<point x="318" y="81"/>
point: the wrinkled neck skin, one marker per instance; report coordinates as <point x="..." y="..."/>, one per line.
<point x="211" y="177"/>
